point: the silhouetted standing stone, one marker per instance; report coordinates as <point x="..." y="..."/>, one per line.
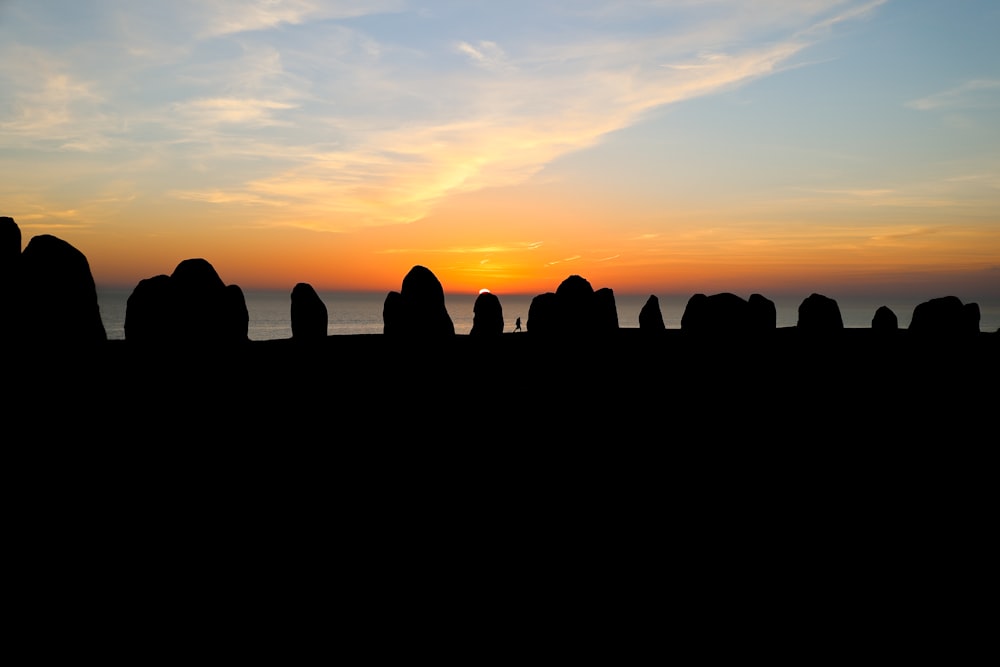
<point x="56" y="294"/>
<point x="970" y="318"/>
<point x="310" y="319"/>
<point x="762" y="312"/>
<point x="190" y="306"/>
<point x="884" y="319"/>
<point x="150" y="311"/>
<point x="819" y="314"/>
<point x="200" y="297"/>
<point x="724" y="313"/>
<point x="392" y="314"/>
<point x="236" y="317"/>
<point x="575" y="306"/>
<point x="487" y="315"/>
<point x="10" y="244"/>
<point x="605" y="311"/>
<point x="945" y="315"/>
<point x="10" y="260"/>
<point x="574" y="310"/>
<point x="543" y="314"/>
<point x="695" y="317"/>
<point x="650" y="316"/>
<point x="419" y="311"/>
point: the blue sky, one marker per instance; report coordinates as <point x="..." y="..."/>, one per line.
<point x="767" y="136"/>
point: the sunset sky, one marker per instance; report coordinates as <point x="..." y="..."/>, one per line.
<point x="666" y="146"/>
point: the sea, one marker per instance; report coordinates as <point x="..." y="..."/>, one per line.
<point x="350" y="313"/>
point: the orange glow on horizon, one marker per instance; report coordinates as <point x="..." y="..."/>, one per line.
<point x="529" y="242"/>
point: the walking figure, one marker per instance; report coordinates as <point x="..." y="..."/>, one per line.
<point x="517" y="324"/>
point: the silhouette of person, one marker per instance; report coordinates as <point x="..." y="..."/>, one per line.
<point x="517" y="324"/>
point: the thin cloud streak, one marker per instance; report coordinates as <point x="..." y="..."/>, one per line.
<point x="970" y="94"/>
<point x="458" y="250"/>
<point x="228" y="17"/>
<point x="501" y="141"/>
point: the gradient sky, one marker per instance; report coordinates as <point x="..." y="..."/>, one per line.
<point x="672" y="146"/>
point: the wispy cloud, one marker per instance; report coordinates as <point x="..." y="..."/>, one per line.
<point x="465" y="250"/>
<point x="977" y="93"/>
<point x="226" y="17"/>
<point x="229" y="110"/>
<point x="45" y="98"/>
<point x="294" y="105"/>
<point x="564" y="260"/>
<point x="486" y="54"/>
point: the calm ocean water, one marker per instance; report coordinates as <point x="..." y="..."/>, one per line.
<point x="361" y="312"/>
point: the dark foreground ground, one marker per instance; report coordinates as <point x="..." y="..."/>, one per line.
<point x="633" y="412"/>
<point x="805" y="496"/>
<point x="628" y="389"/>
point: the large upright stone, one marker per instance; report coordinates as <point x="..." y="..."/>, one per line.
<point x="10" y="244"/>
<point x="721" y="314"/>
<point x="819" y="314"/>
<point x="191" y="306"/>
<point x="56" y="295"/>
<point x="10" y="259"/>
<point x="884" y="320"/>
<point x="605" y="311"/>
<point x="945" y="315"/>
<point x="763" y="314"/>
<point x="543" y="315"/>
<point x="236" y="316"/>
<point x="695" y="318"/>
<point x="650" y="315"/>
<point x="487" y="315"/>
<point x="575" y="306"/>
<point x="392" y="314"/>
<point x="150" y="312"/>
<point x="419" y="310"/>
<point x="310" y="319"/>
<point x="574" y="310"/>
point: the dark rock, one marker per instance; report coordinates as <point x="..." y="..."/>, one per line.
<point x="695" y="317"/>
<point x="150" y="312"/>
<point x="724" y="313"/>
<point x="56" y="296"/>
<point x="884" y="319"/>
<point x="191" y="306"/>
<point x="970" y="318"/>
<point x="650" y="316"/>
<point x="420" y="310"/>
<point x="605" y="311"/>
<point x="575" y="306"/>
<point x="574" y="310"/>
<point x="543" y="314"/>
<point x="762" y="313"/>
<point x="200" y="297"/>
<point x="10" y="259"/>
<point x="236" y="319"/>
<point x="10" y="244"/>
<point x="819" y="314"/>
<point x="945" y="315"/>
<point x="487" y="315"/>
<point x="392" y="314"/>
<point x="310" y="319"/>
